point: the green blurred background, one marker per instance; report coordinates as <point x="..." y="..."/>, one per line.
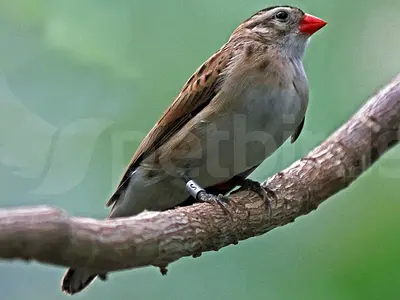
<point x="81" y="82"/>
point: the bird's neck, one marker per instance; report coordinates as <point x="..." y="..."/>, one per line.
<point x="290" y="46"/>
<point x="293" y="48"/>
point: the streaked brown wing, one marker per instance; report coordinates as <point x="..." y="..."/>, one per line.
<point x="196" y="94"/>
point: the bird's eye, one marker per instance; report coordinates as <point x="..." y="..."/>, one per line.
<point x="282" y="15"/>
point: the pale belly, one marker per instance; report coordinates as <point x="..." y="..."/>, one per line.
<point x="243" y="139"/>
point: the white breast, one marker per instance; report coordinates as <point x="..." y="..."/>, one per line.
<point x="243" y="138"/>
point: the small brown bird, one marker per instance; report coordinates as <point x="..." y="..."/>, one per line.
<point x="232" y="113"/>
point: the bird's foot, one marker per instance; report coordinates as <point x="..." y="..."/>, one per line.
<point x="266" y="194"/>
<point x="197" y="192"/>
<point x="221" y="200"/>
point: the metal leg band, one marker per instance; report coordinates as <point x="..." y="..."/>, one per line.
<point x="193" y="188"/>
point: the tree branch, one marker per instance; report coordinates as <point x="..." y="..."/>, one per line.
<point x="49" y="235"/>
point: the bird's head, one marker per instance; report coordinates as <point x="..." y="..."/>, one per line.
<point x="285" y="26"/>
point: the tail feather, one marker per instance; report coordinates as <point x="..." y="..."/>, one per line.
<point x="75" y="280"/>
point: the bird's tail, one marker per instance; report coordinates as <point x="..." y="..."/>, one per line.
<point x="75" y="280"/>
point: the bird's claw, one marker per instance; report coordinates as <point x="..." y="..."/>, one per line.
<point x="221" y="200"/>
<point x="266" y="194"/>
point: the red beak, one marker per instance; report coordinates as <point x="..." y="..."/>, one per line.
<point x="310" y="24"/>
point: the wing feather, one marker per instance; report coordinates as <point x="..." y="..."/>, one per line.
<point x="196" y="94"/>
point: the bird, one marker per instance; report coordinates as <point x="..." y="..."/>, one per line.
<point x="236" y="109"/>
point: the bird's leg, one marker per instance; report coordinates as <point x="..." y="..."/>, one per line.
<point x="197" y="192"/>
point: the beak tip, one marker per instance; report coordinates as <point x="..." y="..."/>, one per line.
<point x="310" y="24"/>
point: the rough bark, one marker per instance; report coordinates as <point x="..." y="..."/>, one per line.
<point x="49" y="235"/>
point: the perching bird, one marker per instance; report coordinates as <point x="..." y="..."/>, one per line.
<point x="233" y="112"/>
